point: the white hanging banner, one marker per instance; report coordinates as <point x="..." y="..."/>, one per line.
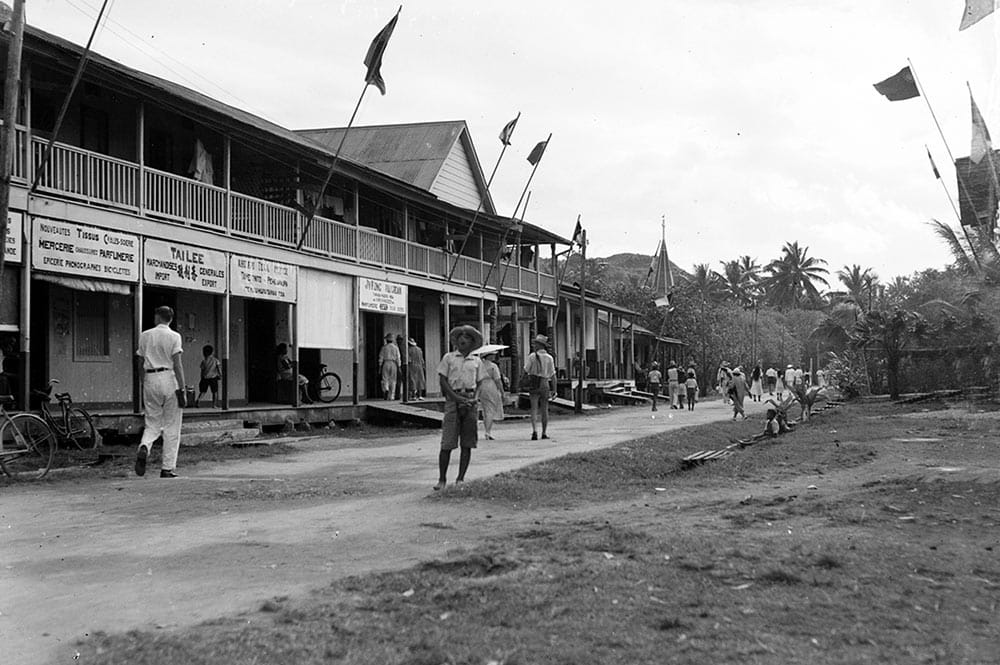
<point x="374" y="295"/>
<point x="15" y="227"/>
<point x="259" y="278"/>
<point x="325" y="311"/>
<point x="184" y="267"/>
<point x="87" y="251"/>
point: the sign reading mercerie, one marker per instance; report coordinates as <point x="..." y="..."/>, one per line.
<point x="87" y="251"/>
<point x="184" y="267"/>
<point x="378" y="296"/>
<point x="259" y="278"/>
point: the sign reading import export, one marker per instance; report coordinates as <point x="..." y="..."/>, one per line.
<point x="258" y="278"/>
<point x="71" y="249"/>
<point x="184" y="267"/>
<point x="377" y="296"/>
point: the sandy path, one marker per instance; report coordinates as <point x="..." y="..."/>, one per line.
<point x="123" y="553"/>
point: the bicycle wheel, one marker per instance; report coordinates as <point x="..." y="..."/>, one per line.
<point x="81" y="429"/>
<point x="28" y="447"/>
<point x="328" y="387"/>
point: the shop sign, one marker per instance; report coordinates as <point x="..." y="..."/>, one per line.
<point x="377" y="296"/>
<point x="184" y="267"/>
<point x="72" y="249"/>
<point x="15" y="224"/>
<point x="258" y="278"/>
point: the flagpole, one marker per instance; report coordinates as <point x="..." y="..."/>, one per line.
<point x="329" y="173"/>
<point x="951" y="200"/>
<point x="489" y="182"/>
<point x="503" y="275"/>
<point x="513" y="218"/>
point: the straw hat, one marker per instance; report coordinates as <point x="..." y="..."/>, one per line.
<point x="477" y="337"/>
<point x="412" y="342"/>
<point x="541" y="339"/>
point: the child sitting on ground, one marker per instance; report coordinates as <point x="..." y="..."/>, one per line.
<point x="210" y="375"/>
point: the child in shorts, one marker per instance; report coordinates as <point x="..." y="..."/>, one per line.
<point x="653" y="379"/>
<point x="691" y="387"/>
<point x="210" y="374"/>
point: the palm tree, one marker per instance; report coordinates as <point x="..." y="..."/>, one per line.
<point x="739" y="280"/>
<point x="890" y="332"/>
<point x="792" y="278"/>
<point x="977" y="256"/>
<point x="705" y="283"/>
<point x="860" y="285"/>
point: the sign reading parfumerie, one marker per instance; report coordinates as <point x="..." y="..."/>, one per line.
<point x="184" y="267"/>
<point x="377" y="296"/>
<point x="259" y="278"/>
<point x="85" y="251"/>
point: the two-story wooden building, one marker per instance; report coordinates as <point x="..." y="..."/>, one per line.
<point x="156" y="194"/>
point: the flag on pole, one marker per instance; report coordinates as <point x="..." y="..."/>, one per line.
<point x="373" y="59"/>
<point x="537" y="152"/>
<point x="578" y="234"/>
<point x="937" y="174"/>
<point x="976" y="11"/>
<point x="899" y="86"/>
<point x="981" y="144"/>
<point x="508" y="131"/>
<point x="663" y="277"/>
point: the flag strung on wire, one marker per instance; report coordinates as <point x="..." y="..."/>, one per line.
<point x="508" y="131"/>
<point x="899" y="86"/>
<point x="578" y="234"/>
<point x="373" y="59"/>
<point x="976" y="11"/>
<point x="937" y="174"/>
<point x="981" y="145"/>
<point x="663" y="276"/>
<point x="537" y="152"/>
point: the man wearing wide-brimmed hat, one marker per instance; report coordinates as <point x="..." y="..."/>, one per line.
<point x="388" y="362"/>
<point x="460" y="374"/>
<point x="539" y="364"/>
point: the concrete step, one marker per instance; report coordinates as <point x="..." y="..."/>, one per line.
<point x="218" y="424"/>
<point x="219" y="437"/>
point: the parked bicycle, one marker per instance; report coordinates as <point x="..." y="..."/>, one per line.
<point x="72" y="424"/>
<point x="27" y="445"/>
<point x="327" y="386"/>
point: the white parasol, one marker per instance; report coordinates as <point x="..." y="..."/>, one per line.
<point x="487" y="349"/>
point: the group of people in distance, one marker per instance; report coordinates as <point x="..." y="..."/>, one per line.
<point x="391" y="378"/>
<point x="681" y="385"/>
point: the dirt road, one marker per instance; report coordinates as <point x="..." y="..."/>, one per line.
<point x="111" y="555"/>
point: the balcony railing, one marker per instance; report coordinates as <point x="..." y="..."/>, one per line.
<point x="107" y="181"/>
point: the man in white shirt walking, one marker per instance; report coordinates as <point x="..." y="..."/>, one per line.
<point x="159" y="354"/>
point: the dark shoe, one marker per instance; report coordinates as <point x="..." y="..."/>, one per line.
<point x="534" y="436"/>
<point x="545" y="436"/>
<point x="439" y="486"/>
<point x="140" y="461"/>
<point x="168" y="474"/>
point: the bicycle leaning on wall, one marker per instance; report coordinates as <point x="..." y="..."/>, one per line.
<point x="27" y="445"/>
<point x="72" y="424"/>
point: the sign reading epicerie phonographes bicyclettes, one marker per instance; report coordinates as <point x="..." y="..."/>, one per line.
<point x="86" y="251"/>
<point x="184" y="267"/>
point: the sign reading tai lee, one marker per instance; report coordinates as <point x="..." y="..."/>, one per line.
<point x="377" y="296"/>
<point x="184" y="267"/>
<point x="86" y="251"/>
<point x="258" y="278"/>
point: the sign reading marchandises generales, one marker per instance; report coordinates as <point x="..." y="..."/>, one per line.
<point x="72" y="249"/>
<point x="184" y="267"/>
<point x="377" y="296"/>
<point x="258" y="278"/>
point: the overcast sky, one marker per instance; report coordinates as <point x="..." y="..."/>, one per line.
<point x="747" y="123"/>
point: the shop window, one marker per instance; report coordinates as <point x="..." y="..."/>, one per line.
<point x="90" y="336"/>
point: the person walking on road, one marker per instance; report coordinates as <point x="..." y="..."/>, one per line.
<point x="653" y="379"/>
<point x="756" y="383"/>
<point x="388" y="365"/>
<point x="673" y="384"/>
<point x="539" y="363"/>
<point x="159" y="358"/>
<point x="738" y="392"/>
<point x="722" y="379"/>
<point x="491" y="394"/>
<point x="460" y="376"/>
<point x="416" y="378"/>
<point x="771" y="375"/>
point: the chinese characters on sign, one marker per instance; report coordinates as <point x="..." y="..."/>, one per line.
<point x="378" y="296"/>
<point x="258" y="278"/>
<point x="12" y="250"/>
<point x="84" y="250"/>
<point x="184" y="267"/>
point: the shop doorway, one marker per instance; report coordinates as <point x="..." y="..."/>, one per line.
<point x="374" y="332"/>
<point x="261" y="362"/>
<point x="153" y="297"/>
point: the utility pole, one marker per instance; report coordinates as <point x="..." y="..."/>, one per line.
<point x="578" y="401"/>
<point x="12" y="86"/>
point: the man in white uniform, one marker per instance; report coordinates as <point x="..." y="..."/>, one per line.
<point x="162" y="391"/>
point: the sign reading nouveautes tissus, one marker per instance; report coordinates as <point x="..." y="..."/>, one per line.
<point x="86" y="251"/>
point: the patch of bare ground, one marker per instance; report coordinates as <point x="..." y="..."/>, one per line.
<point x="836" y="544"/>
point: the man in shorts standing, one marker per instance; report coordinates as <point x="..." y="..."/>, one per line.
<point x="460" y="375"/>
<point x="159" y="355"/>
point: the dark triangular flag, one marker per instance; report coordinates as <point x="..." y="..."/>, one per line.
<point x="508" y="131"/>
<point x="578" y="234"/>
<point x="937" y="174"/>
<point x="899" y="86"/>
<point x="537" y="152"/>
<point x="373" y="59"/>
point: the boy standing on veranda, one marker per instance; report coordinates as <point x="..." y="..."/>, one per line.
<point x="460" y="375"/>
<point x="210" y="375"/>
